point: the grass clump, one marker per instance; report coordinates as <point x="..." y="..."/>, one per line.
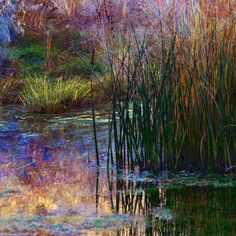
<point x="44" y="95"/>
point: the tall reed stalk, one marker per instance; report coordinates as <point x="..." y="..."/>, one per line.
<point x="174" y="100"/>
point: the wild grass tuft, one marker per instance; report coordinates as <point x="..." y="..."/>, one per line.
<point x="44" y="95"/>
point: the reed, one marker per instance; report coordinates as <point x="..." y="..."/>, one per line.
<point x="178" y="107"/>
<point x="43" y="95"/>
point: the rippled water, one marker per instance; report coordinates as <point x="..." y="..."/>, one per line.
<point x="50" y="185"/>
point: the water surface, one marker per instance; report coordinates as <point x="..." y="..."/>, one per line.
<point x="50" y="185"/>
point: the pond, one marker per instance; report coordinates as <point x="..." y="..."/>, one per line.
<point x="50" y="185"/>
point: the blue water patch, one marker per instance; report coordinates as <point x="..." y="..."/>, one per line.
<point x="10" y="126"/>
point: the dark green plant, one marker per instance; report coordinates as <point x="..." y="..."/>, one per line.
<point x="178" y="107"/>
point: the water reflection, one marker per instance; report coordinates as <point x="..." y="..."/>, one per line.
<point x="50" y="185"/>
<point x="186" y="211"/>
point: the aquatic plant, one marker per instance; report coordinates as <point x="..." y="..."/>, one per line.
<point x="44" y="95"/>
<point x="179" y="107"/>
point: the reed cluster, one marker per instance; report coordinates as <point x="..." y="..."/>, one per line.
<point x="178" y="108"/>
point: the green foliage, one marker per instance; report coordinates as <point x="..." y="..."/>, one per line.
<point x="30" y="54"/>
<point x="73" y="66"/>
<point x="30" y="57"/>
<point x="43" y="95"/>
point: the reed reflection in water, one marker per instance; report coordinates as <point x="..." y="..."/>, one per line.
<point x="50" y="184"/>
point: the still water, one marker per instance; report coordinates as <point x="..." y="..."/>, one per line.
<point x="50" y="185"/>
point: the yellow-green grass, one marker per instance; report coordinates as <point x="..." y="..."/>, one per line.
<point x="44" y="95"/>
